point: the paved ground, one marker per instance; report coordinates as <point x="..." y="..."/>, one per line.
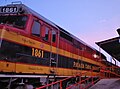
<point x="107" y="84"/>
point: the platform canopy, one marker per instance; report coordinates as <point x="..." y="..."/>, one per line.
<point x="111" y="46"/>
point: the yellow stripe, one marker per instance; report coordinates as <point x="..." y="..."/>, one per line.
<point x="26" y="68"/>
<point x="16" y="37"/>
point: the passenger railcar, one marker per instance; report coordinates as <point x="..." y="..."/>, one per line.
<point x="33" y="48"/>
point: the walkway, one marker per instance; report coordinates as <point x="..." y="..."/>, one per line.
<point x="107" y="84"/>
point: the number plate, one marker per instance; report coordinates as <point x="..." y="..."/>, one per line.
<point x="9" y="10"/>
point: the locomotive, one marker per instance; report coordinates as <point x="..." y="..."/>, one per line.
<point x="32" y="48"/>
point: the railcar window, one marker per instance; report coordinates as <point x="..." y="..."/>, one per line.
<point x="14" y="20"/>
<point x="53" y="36"/>
<point x="46" y="33"/>
<point x="36" y="28"/>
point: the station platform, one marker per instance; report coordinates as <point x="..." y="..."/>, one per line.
<point x="107" y="84"/>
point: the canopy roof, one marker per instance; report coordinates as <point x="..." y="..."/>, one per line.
<point x="111" y="46"/>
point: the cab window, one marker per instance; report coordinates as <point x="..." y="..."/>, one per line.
<point x="53" y="36"/>
<point x="36" y="28"/>
<point x="17" y="21"/>
<point x="46" y="34"/>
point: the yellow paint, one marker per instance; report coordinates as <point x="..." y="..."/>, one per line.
<point x="26" y="68"/>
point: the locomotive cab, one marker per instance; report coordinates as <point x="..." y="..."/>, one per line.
<point x="13" y="16"/>
<point x="13" y="22"/>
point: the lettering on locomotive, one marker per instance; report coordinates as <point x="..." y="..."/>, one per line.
<point x="35" y="68"/>
<point x="95" y="68"/>
<point x="87" y="66"/>
<point x="37" y="53"/>
<point x="78" y="65"/>
<point x="28" y="41"/>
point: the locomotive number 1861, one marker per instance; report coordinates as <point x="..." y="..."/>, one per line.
<point x="37" y="52"/>
<point x="9" y="10"/>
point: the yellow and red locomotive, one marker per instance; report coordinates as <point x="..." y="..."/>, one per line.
<point x="33" y="47"/>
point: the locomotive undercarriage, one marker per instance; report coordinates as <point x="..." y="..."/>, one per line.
<point x="26" y="81"/>
<point x="35" y="81"/>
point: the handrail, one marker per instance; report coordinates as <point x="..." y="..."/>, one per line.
<point x="59" y="81"/>
<point x="102" y="71"/>
<point x="107" y="70"/>
<point x="92" y="83"/>
<point x="78" y="83"/>
<point x="83" y="82"/>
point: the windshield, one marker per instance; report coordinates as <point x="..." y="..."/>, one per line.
<point x="13" y="20"/>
